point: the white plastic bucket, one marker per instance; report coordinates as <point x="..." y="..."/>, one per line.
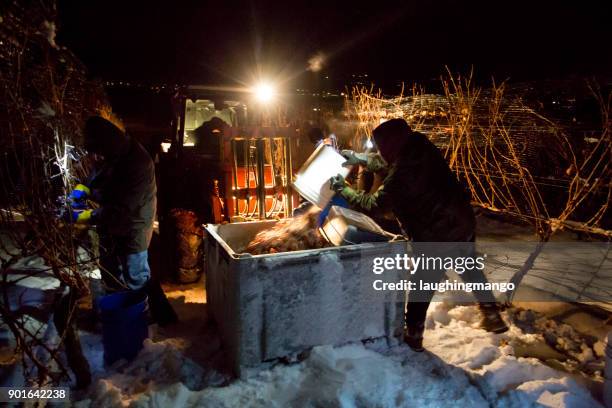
<point x="312" y="180"/>
<point x="344" y="226"/>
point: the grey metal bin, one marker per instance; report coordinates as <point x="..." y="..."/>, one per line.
<point x="272" y="306"/>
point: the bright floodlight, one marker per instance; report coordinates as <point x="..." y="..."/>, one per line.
<point x="264" y="92"/>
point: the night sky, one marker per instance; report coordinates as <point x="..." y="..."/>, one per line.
<point x="233" y="41"/>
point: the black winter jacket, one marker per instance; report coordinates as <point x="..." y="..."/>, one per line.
<point x="125" y="188"/>
<point x="423" y="193"/>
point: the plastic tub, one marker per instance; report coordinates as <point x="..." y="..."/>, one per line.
<point x="273" y="306"/>
<point x="124" y="324"/>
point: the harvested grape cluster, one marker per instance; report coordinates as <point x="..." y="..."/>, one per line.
<point x="290" y="234"/>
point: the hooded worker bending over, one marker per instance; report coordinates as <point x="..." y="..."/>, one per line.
<point x="431" y="206"/>
<point x="125" y="189"/>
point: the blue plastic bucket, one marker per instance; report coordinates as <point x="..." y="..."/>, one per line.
<point x="124" y="324"/>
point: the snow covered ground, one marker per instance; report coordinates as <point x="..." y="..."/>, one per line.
<point x="463" y="366"/>
<point x="549" y="358"/>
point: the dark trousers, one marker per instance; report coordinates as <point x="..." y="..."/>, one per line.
<point x="418" y="302"/>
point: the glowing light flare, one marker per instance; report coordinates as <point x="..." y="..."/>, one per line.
<point x="316" y="62"/>
<point x="264" y="92"/>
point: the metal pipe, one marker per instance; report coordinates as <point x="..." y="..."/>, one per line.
<point x="273" y="173"/>
<point x="253" y="165"/>
<point x="261" y="182"/>
<point x="247" y="165"/>
<point x="235" y="171"/>
<point x="288" y="177"/>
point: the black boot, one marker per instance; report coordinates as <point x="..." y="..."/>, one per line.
<point x="161" y="309"/>
<point x="413" y="337"/>
<point x="491" y="319"/>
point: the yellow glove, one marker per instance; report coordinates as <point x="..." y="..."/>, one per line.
<point x="81" y="216"/>
<point x="80" y="192"/>
<point x="78" y="197"/>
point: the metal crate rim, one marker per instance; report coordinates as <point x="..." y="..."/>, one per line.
<point x="293" y="254"/>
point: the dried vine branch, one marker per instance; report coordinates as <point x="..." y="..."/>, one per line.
<point x="510" y="156"/>
<point x="45" y="97"/>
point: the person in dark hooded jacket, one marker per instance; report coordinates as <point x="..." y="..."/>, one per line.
<point x="124" y="187"/>
<point x="431" y="206"/>
<point x="123" y="184"/>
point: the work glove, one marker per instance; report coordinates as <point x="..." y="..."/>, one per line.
<point x="354" y="159"/>
<point x="376" y="163"/>
<point x="337" y="183"/>
<point x="78" y="196"/>
<point x="80" y="216"/>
